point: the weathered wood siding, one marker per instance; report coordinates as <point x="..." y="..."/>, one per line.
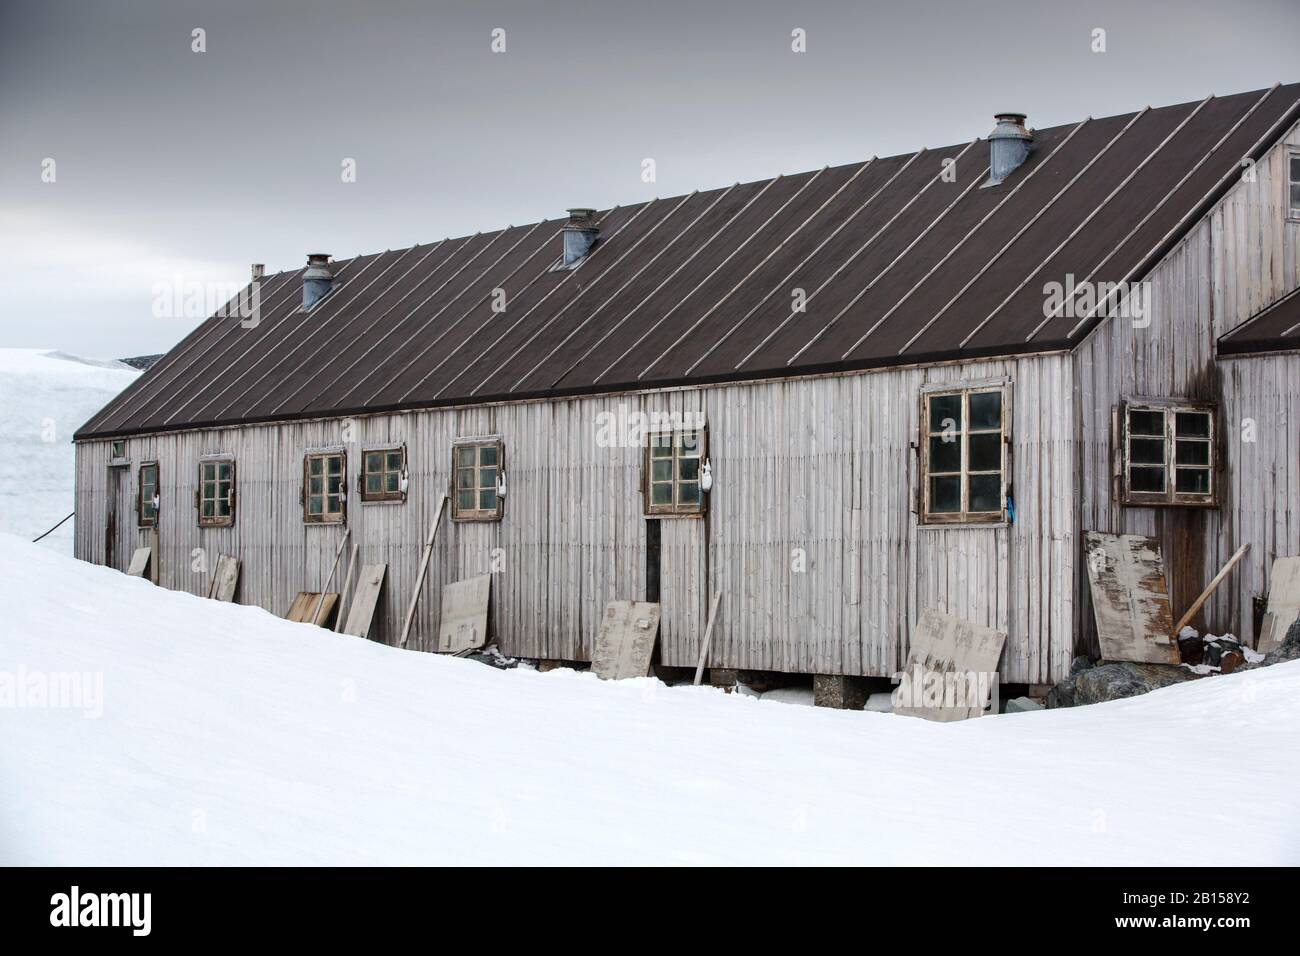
<point x="826" y="466"/>
<point x="1241" y="257"/>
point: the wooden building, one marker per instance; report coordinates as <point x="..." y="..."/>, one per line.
<point x="905" y="383"/>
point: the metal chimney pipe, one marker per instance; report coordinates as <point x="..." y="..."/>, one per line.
<point x="580" y="234"/>
<point x="316" y="281"/>
<point x="1009" y="146"/>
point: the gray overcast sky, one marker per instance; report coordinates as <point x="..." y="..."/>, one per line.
<point x="173" y="165"/>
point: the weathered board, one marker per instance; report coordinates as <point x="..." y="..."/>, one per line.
<point x="1130" y="598"/>
<point x="306" y="603"/>
<point x="952" y="665"/>
<point x="139" y="562"/>
<point x="463" y="625"/>
<point x="364" y="600"/>
<point x="225" y="578"/>
<point x="1283" y="603"/>
<point x="626" y="641"/>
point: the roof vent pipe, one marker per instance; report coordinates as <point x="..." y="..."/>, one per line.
<point x="1009" y="145"/>
<point x="316" y="281"/>
<point x="579" y="235"/>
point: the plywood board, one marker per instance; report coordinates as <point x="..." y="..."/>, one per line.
<point x="1130" y="598"/>
<point x="463" y="624"/>
<point x="1283" y="603"/>
<point x="952" y="668"/>
<point x="139" y="562"/>
<point x="626" y="641"/>
<point x="365" y="599"/>
<point x="305" y="604"/>
<point x="225" y="578"/>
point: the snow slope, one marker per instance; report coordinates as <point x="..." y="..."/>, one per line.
<point x="45" y="396"/>
<point x="230" y="736"/>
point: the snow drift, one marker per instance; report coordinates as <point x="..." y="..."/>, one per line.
<point x="224" y="735"/>
<point x="45" y="397"/>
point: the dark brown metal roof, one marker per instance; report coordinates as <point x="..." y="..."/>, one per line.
<point x="893" y="262"/>
<point x="1273" y="329"/>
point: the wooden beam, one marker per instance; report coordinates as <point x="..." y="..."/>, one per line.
<point x="708" y="636"/>
<point x="333" y="567"/>
<point x="424" y="567"/>
<point x="343" y="591"/>
<point x="1209" y="589"/>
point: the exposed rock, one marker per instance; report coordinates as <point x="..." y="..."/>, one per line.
<point x="1288" y="650"/>
<point x="1115" y="680"/>
<point x="1021" y="705"/>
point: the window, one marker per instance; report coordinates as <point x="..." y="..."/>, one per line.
<point x="383" y="474"/>
<point x="117" y="454"/>
<point x="673" y="470"/>
<point x="325" y="497"/>
<point x="1167" y="453"/>
<point x="216" y="495"/>
<point x="146" y="505"/>
<point x="963" y="456"/>
<point x="1293" y="185"/>
<point x="477" y="478"/>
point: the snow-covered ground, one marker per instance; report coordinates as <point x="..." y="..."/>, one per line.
<point x="45" y="396"/>
<point x="225" y="735"/>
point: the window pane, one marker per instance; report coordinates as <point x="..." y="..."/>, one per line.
<point x="315" y="485"/>
<point x="688" y="493"/>
<point x="945" y="412"/>
<point x="984" y="452"/>
<point x="1192" y="481"/>
<point x="688" y="469"/>
<point x="1295" y="196"/>
<point x="487" y="499"/>
<point x="1192" y="452"/>
<point x="208" y="471"/>
<point x="985" y="492"/>
<point x="945" y="455"/>
<point x="661" y="470"/>
<point x="945" y="494"/>
<point x="1146" y="423"/>
<point x="487" y="455"/>
<point x="1147" y="451"/>
<point x="333" y="484"/>
<point x="690" y="443"/>
<point x="1147" y="479"/>
<point x="315" y="505"/>
<point x="374" y="461"/>
<point x="335" y="463"/>
<point x="222" y="507"/>
<point x="374" y="483"/>
<point x="1192" y="425"/>
<point x="391" y="482"/>
<point x="661" y="493"/>
<point x="1295" y="169"/>
<point x="207" y="508"/>
<point x="313" y="466"/>
<point x="465" y="478"/>
<point x="487" y="478"/>
<point x="465" y="456"/>
<point x="986" y="410"/>
<point x="465" y="500"/>
<point x="661" y="447"/>
<point x="394" y="461"/>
